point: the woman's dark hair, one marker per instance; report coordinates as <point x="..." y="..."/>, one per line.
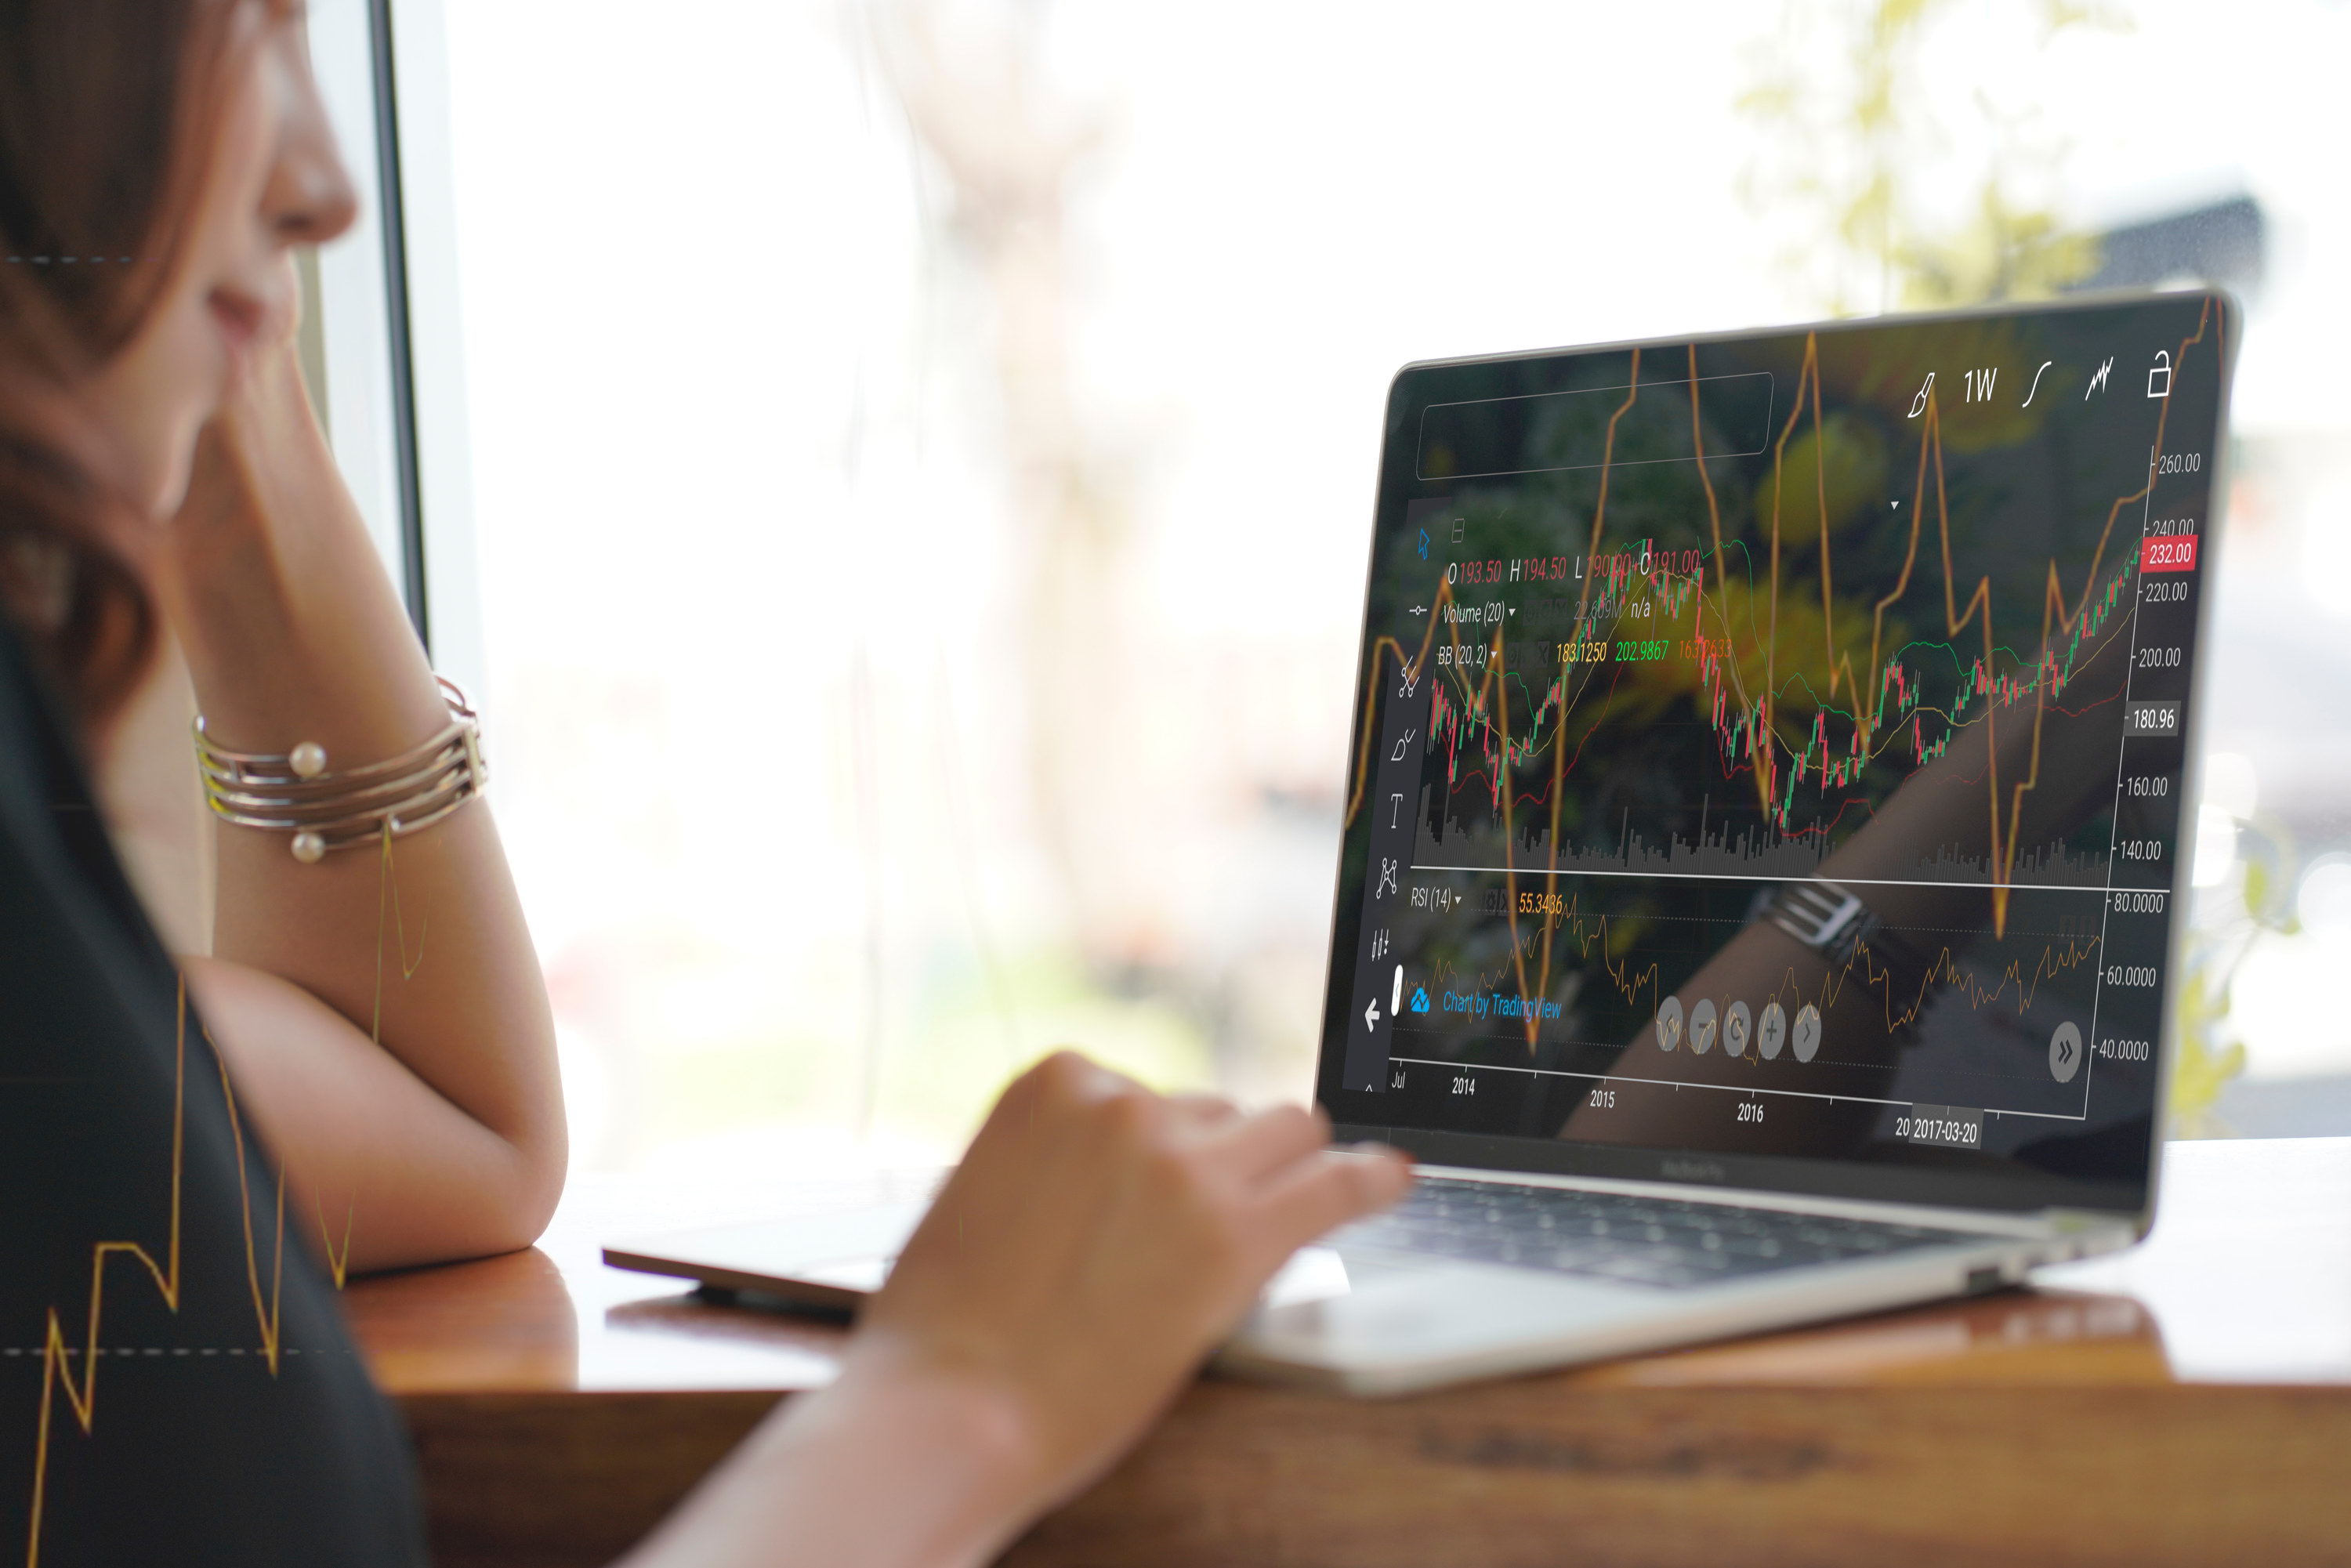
<point x="105" y="109"/>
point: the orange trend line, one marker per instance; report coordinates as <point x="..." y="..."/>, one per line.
<point x="388" y="888"/>
<point x="2052" y="963"/>
<point x="56" y="1372"/>
<point x="1713" y="507"/>
<point x="1714" y="524"/>
<point x="1840" y="666"/>
<point x="83" y="1400"/>
<point x="1766" y="764"/>
<point x="2055" y="619"/>
<point x="269" y="1317"/>
<point x="1559" y="737"/>
<point x="2053" y="598"/>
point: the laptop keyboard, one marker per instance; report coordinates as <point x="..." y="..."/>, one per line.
<point x="1621" y="1236"/>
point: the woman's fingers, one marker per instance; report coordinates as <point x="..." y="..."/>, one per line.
<point x="1203" y="1112"/>
<point x="1098" y="1238"/>
<point x="1063" y="1105"/>
<point x="1320" y="1195"/>
<point x="1067" y="1076"/>
<point x="1258" y="1147"/>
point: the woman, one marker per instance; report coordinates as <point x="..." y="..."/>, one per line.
<point x="162" y="1127"/>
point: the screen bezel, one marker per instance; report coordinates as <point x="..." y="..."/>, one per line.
<point x="2013" y="1191"/>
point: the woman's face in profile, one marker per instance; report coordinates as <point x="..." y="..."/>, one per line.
<point x="272" y="180"/>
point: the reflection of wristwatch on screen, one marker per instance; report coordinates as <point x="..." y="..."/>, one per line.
<point x="1833" y="922"/>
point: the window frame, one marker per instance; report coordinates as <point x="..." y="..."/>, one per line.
<point x="389" y="351"/>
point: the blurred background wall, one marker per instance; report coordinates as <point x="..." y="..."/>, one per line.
<point x="923" y="452"/>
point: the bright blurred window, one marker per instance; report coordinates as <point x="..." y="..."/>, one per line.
<point x="923" y="456"/>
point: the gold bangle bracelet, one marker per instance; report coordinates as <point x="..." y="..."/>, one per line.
<point x="295" y="794"/>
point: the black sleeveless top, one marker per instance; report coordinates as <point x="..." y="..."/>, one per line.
<point x="201" y="1445"/>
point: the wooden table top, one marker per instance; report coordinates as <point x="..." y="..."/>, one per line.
<point x="2236" y="1310"/>
<point x="2246" y="1278"/>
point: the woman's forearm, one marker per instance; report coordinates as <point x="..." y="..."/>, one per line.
<point x="293" y="633"/>
<point x="886" y="1468"/>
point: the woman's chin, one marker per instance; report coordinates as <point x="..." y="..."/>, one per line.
<point x="142" y="417"/>
<point x="150" y="483"/>
<point x="166" y="490"/>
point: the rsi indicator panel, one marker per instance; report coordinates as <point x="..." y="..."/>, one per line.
<point x="1763" y="750"/>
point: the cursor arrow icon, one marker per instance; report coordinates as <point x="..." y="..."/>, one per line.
<point x="1371" y="1014"/>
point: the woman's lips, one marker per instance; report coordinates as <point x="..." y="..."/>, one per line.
<point x="240" y="316"/>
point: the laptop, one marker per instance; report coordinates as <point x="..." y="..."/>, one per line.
<point x="1765" y="830"/>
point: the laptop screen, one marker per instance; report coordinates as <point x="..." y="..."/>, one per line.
<point x="1771" y="756"/>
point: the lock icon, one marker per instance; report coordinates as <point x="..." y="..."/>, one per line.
<point x="2158" y="380"/>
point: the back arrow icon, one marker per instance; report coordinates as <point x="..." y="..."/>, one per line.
<point x="1371" y="1014"/>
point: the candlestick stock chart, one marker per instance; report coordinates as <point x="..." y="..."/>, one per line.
<point x="1929" y="655"/>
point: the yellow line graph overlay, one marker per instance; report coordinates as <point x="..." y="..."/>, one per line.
<point x="57" y="1370"/>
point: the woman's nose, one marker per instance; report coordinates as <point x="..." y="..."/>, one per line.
<point x="310" y="199"/>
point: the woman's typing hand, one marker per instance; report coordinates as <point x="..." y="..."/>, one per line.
<point x="1096" y="1244"/>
